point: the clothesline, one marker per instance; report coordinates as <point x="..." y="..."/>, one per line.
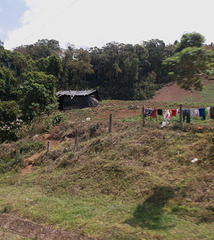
<point x="187" y="113"/>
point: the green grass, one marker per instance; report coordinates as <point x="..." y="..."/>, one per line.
<point x="102" y="216"/>
<point x="206" y="96"/>
<point x="174" y="121"/>
<point x="135" y="183"/>
<point x="207" y="93"/>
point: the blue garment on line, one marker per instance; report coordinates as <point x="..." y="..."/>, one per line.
<point x="202" y="113"/>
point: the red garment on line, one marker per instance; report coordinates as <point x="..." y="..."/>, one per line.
<point x="174" y="112"/>
<point x="154" y="114"/>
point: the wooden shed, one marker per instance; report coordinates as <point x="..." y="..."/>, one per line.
<point x="78" y="99"/>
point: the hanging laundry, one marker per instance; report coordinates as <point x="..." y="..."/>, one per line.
<point x="186" y="115"/>
<point x="160" y="112"/>
<point x="208" y="110"/>
<point x="212" y="112"/>
<point x="195" y="112"/>
<point x="206" y="113"/>
<point x="174" y="112"/>
<point x="154" y="114"/>
<point x="147" y="111"/>
<point x="192" y="112"/>
<point x="202" y="113"/>
<point x="167" y="115"/>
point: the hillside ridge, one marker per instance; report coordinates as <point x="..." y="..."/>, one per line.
<point x="171" y="92"/>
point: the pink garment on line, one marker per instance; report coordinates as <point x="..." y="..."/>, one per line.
<point x="167" y="115"/>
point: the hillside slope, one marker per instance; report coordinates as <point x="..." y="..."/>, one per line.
<point x="173" y="93"/>
<point x="133" y="183"/>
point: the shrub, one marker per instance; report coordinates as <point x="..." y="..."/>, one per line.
<point x="57" y="118"/>
<point x="9" y="121"/>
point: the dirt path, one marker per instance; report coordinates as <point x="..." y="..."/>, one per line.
<point x="28" y="162"/>
<point x="12" y="226"/>
<point x="5" y="235"/>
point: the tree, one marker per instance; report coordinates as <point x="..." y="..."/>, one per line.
<point x="42" y="48"/>
<point x="76" y="66"/>
<point x="157" y="52"/>
<point x="36" y="94"/>
<point x="54" y="66"/>
<point x="190" y="40"/>
<point x="190" y="63"/>
<point x="8" y="85"/>
<point x="8" y="120"/>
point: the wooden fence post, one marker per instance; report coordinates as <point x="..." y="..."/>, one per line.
<point x="181" y="116"/>
<point x="76" y="141"/>
<point x="110" y="123"/>
<point x="48" y="147"/>
<point x="143" y="116"/>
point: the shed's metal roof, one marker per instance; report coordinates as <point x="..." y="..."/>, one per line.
<point x="75" y="93"/>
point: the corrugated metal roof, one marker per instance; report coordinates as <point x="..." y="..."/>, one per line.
<point x="75" y="93"/>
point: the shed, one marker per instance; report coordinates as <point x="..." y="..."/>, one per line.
<point x="77" y="99"/>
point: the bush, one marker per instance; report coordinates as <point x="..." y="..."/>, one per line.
<point x="9" y="122"/>
<point x="57" y="118"/>
<point x="30" y="146"/>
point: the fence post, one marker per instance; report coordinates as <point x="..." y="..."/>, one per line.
<point x="143" y="116"/>
<point x="110" y="123"/>
<point x="181" y="116"/>
<point x="76" y="141"/>
<point x="48" y="147"/>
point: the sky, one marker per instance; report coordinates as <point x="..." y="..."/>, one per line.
<point x="90" y="23"/>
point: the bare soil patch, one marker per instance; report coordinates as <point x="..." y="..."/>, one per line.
<point x="28" y="162"/>
<point x="13" y="225"/>
<point x="173" y="93"/>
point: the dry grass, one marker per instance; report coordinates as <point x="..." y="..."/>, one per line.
<point x="134" y="183"/>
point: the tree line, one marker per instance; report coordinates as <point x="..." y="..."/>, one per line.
<point x="31" y="74"/>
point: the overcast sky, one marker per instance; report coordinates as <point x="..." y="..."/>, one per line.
<point x="90" y="23"/>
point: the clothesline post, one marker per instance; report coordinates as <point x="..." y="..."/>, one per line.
<point x="110" y="123"/>
<point x="48" y="147"/>
<point x="181" y="116"/>
<point x="76" y="141"/>
<point x="143" y="116"/>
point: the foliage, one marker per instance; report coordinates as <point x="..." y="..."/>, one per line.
<point x="35" y="94"/>
<point x="76" y="66"/>
<point x="9" y="158"/>
<point x="157" y="52"/>
<point x="31" y="74"/>
<point x="189" y="66"/>
<point x="57" y="118"/>
<point x="190" y="62"/>
<point x="41" y="49"/>
<point x="190" y="40"/>
<point x="8" y="84"/>
<point x="29" y="147"/>
<point x="9" y="121"/>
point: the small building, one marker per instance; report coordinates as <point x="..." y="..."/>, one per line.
<point x="77" y="99"/>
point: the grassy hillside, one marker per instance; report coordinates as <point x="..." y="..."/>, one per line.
<point x="171" y="92"/>
<point x="132" y="183"/>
